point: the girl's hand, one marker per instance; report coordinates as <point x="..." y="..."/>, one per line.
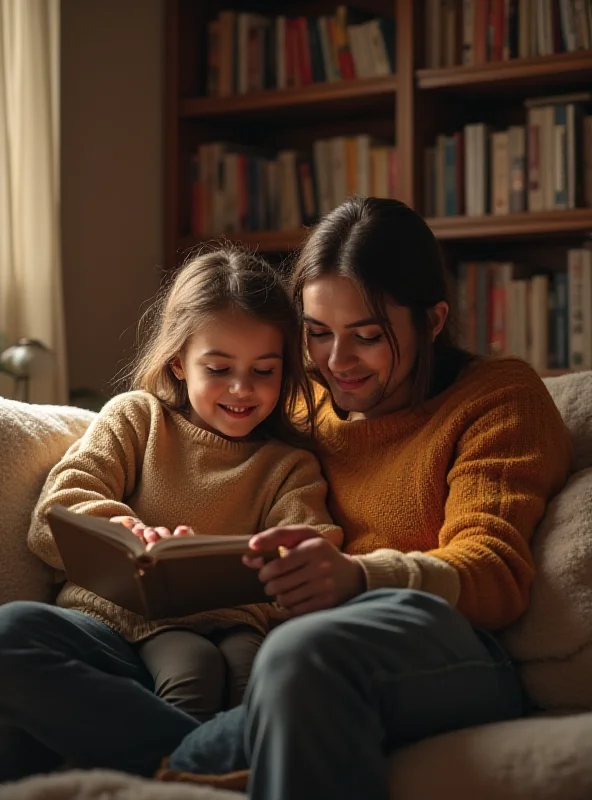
<point x="151" y="535"/>
<point x="312" y="574"/>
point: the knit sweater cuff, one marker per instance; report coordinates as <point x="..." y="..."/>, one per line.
<point x="394" y="570"/>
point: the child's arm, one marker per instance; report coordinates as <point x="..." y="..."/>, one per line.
<point x="302" y="498"/>
<point x="97" y="472"/>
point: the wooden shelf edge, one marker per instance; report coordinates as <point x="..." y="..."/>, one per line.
<point x="286" y="98"/>
<point x="514" y="69"/>
<point x="528" y="223"/>
<point x="262" y="241"/>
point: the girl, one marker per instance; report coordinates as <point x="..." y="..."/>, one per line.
<point x="205" y="438"/>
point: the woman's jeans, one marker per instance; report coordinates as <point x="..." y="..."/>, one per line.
<point x="330" y="694"/>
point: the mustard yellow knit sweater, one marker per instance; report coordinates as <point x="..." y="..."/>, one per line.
<point x="445" y="497"/>
<point x="139" y="458"/>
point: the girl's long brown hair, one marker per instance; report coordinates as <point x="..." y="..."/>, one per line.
<point x="392" y="255"/>
<point x="208" y="283"/>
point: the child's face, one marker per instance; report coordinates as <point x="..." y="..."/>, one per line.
<point x="233" y="369"/>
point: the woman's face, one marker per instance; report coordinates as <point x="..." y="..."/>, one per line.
<point x="351" y="351"/>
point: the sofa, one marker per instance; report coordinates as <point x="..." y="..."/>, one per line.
<point x="547" y="756"/>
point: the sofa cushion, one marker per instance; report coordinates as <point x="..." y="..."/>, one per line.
<point x="572" y="395"/>
<point x="531" y="759"/>
<point x="32" y="439"/>
<point x="552" y="641"/>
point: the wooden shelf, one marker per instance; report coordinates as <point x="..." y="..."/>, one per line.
<point x="529" y="223"/>
<point x="518" y="73"/>
<point x="544" y="223"/>
<point x="263" y="241"/>
<point x="350" y="95"/>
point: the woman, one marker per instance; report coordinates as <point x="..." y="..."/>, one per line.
<point x="440" y="466"/>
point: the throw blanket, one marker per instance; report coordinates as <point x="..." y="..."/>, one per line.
<point x="105" y="785"/>
<point x="32" y="439"/>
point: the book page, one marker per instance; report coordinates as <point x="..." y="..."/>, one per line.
<point x="175" y="546"/>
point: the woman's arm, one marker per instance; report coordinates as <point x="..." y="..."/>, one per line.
<point x="509" y="463"/>
<point x="512" y="457"/>
<point x="96" y="473"/>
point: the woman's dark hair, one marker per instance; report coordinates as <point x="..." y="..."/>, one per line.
<point x="210" y="282"/>
<point x="392" y="255"/>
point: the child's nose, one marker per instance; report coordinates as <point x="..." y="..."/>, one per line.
<point x="241" y="388"/>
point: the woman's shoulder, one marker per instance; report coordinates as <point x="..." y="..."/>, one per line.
<point x="509" y="386"/>
<point x="491" y="374"/>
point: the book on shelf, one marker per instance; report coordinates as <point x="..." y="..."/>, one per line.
<point x="545" y="318"/>
<point x="475" y="32"/>
<point x="542" y="165"/>
<point x="236" y="189"/>
<point x="250" y="52"/>
<point x="175" y="577"/>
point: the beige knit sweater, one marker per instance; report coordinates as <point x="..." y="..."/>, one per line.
<point x="139" y="458"/>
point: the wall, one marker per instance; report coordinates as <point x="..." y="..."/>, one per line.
<point x="112" y="167"/>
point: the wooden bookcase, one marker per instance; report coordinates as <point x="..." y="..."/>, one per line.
<point x="410" y="108"/>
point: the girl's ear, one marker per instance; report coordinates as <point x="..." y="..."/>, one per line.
<point x="177" y="367"/>
<point x="438" y="315"/>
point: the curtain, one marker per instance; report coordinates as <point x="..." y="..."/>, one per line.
<point x="31" y="301"/>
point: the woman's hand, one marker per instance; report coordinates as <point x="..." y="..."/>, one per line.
<point x="151" y="535"/>
<point x="311" y="575"/>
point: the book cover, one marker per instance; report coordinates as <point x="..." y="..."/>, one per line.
<point x="175" y="577"/>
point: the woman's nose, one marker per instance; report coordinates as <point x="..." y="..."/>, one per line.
<point x="341" y="357"/>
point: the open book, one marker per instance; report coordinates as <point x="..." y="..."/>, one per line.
<point x="177" y="576"/>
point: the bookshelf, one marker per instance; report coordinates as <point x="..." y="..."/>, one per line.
<point x="409" y="108"/>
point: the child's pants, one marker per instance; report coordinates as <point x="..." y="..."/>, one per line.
<point x="200" y="675"/>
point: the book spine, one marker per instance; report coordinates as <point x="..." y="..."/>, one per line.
<point x="561" y="168"/>
<point x="517" y="158"/>
<point x="561" y="321"/>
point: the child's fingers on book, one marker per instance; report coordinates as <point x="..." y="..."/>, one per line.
<point x="127" y="522"/>
<point x="183" y="530"/>
<point x="151" y="536"/>
<point x="163" y="532"/>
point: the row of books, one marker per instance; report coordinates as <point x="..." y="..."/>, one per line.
<point x="474" y="32"/>
<point x="543" y="165"/>
<point x="545" y="319"/>
<point x="236" y="188"/>
<point x="249" y="52"/>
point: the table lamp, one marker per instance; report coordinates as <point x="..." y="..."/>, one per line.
<point x="28" y="358"/>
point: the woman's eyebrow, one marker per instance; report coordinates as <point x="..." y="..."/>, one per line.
<point x="360" y="323"/>
<point x="314" y="321"/>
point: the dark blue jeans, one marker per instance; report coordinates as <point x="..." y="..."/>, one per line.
<point x="72" y="690"/>
<point x="330" y="694"/>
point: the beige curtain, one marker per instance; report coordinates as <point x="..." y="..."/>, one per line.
<point x="31" y="302"/>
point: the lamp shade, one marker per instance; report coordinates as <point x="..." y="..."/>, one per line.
<point x="28" y="358"/>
